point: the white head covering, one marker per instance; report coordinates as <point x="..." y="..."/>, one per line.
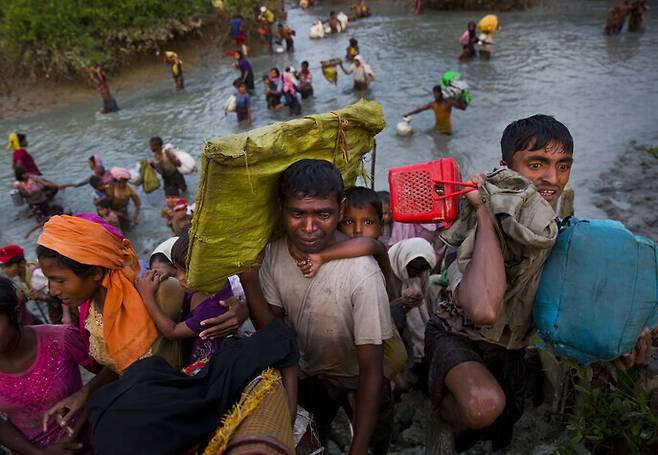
<point x="263" y="9"/>
<point x="400" y="255"/>
<point x="164" y="248"/>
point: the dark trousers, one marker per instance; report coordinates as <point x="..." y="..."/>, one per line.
<point x="323" y="399"/>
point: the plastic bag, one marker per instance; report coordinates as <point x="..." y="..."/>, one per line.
<point x="150" y="181"/>
<point x="237" y="211"/>
<point x="330" y="70"/>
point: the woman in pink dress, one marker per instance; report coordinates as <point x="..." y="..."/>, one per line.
<point x="38" y="368"/>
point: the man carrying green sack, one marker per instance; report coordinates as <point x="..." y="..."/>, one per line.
<point x="236" y="206"/>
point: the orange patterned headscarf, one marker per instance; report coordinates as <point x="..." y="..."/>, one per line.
<point x="128" y="330"/>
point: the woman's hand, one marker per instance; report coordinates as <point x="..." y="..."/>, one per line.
<point x="640" y="353"/>
<point x="148" y="284"/>
<point x="228" y="322"/>
<point x="65" y="409"/>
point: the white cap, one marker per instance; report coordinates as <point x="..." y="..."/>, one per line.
<point x="263" y="9"/>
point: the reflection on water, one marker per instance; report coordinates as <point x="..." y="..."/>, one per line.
<point x="552" y="60"/>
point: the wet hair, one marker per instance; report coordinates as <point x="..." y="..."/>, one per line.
<point x="95" y="181"/>
<point x="240" y="54"/>
<point x="105" y="203"/>
<point x="56" y="209"/>
<point x="361" y="197"/>
<point x="171" y="191"/>
<point x="311" y="178"/>
<point x="157" y="140"/>
<point x="305" y="62"/>
<point x="76" y="267"/>
<point x="437" y="88"/>
<point x="353" y="42"/>
<point x="160" y="257"/>
<point x="9" y="301"/>
<point x="21" y="138"/>
<point x="92" y="158"/>
<point x="332" y="13"/>
<point x="180" y="248"/>
<point x="19" y="172"/>
<point x="385" y="197"/>
<point x="419" y="264"/>
<point x="266" y="77"/>
<point x="534" y="133"/>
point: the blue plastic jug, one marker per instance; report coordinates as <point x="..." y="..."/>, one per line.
<point x="598" y="290"/>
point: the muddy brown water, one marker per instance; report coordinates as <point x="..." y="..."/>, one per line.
<point x="552" y="59"/>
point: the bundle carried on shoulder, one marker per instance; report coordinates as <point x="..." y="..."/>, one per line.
<point x="237" y="209"/>
<point x="598" y="291"/>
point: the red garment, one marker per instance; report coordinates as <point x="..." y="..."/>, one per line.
<point x="26" y="160"/>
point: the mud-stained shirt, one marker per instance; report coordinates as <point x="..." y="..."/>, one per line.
<point x="345" y="305"/>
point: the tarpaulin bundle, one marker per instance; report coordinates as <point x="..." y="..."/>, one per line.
<point x="237" y="212"/>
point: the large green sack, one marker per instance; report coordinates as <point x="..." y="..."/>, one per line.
<point x="236" y="211"/>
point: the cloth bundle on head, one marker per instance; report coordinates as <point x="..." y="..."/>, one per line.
<point x="400" y="255"/>
<point x="120" y="173"/>
<point x="165" y="249"/>
<point x="128" y="330"/>
<point x="13" y="142"/>
<point x="98" y="161"/>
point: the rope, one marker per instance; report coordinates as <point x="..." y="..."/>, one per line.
<point x="246" y="166"/>
<point x="341" y="138"/>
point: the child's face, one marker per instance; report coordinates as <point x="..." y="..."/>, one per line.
<point x="102" y="211"/>
<point x="180" y="276"/>
<point x="171" y="201"/>
<point x="386" y="213"/>
<point x="361" y="222"/>
<point x="242" y="89"/>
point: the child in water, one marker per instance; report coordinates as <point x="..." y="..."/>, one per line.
<point x="442" y="111"/>
<point x="242" y="103"/>
<point x="197" y="307"/>
<point x="352" y="50"/>
<point x="104" y="209"/>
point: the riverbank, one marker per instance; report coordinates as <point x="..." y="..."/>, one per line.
<point x="628" y="192"/>
<point x="33" y="97"/>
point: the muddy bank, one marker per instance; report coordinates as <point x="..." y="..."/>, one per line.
<point x="31" y="97"/>
<point x="495" y="5"/>
<point x="628" y="192"/>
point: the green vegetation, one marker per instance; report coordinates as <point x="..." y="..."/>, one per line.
<point x="55" y="38"/>
<point x="611" y="415"/>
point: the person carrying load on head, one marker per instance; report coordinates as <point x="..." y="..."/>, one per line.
<point x="476" y="340"/>
<point x="176" y="65"/>
<point x="360" y="10"/>
<point x="488" y="25"/>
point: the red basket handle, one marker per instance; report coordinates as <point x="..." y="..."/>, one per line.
<point x="450" y="182"/>
<point x="456" y="193"/>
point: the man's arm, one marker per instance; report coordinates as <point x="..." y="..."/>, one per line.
<point x="419" y="110"/>
<point x="368" y="396"/>
<point x="481" y="291"/>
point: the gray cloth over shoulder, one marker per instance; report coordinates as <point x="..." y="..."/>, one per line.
<point x="527" y="228"/>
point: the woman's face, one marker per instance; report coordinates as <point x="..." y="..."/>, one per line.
<point x="122" y="183"/>
<point x="73" y="290"/>
<point x="92" y="165"/>
<point x="180" y="276"/>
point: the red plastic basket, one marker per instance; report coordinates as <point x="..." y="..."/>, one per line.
<point x="427" y="192"/>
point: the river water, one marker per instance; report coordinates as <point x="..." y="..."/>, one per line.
<point x="552" y="59"/>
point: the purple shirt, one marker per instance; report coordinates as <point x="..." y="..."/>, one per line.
<point x="26" y="160"/>
<point x="210" y="308"/>
<point x="245" y="66"/>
